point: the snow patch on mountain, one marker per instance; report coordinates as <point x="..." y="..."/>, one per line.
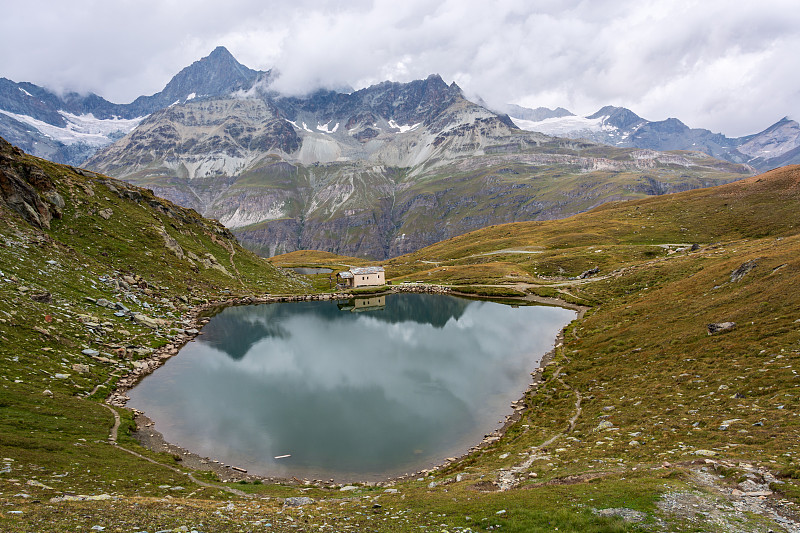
<point x="26" y="93"/>
<point x="324" y="128"/>
<point x="405" y="128"/>
<point x="560" y="126"/>
<point x="81" y="128"/>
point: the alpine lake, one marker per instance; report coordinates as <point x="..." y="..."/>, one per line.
<point x="362" y="389"/>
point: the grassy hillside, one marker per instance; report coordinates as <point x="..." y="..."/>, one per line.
<point x="69" y="242"/>
<point x="642" y="421"/>
<point x="640" y="389"/>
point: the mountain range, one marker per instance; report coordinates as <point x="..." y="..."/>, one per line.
<point x="376" y="172"/>
<point x="776" y="146"/>
<point x="69" y="128"/>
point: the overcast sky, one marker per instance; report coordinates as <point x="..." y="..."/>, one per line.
<point x="732" y="67"/>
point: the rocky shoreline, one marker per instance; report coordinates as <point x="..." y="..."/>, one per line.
<point x="150" y="438"/>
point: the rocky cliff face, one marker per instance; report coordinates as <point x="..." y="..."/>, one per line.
<point x="26" y="189"/>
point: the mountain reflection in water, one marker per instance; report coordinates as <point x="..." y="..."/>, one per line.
<point x="237" y="329"/>
<point x="348" y="394"/>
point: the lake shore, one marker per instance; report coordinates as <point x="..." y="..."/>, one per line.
<point x="150" y="438"/>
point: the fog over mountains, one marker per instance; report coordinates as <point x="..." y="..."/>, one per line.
<point x="375" y="172"/>
<point x="70" y="127"/>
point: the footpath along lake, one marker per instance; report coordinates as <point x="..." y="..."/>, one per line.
<point x="363" y="389"/>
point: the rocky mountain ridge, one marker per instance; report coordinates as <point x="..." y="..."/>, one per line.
<point x="380" y="171"/>
<point x="69" y="128"/>
<point x="375" y="172"/>
<point x="776" y="146"/>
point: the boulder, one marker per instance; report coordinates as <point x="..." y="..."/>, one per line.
<point x="146" y="321"/>
<point x="171" y="244"/>
<point x="80" y="368"/>
<point x="297" y="501"/>
<point x="720" y="327"/>
<point x="602" y="426"/>
<point x="42" y="297"/>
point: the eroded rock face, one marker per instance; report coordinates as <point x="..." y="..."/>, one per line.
<point x="743" y="270"/>
<point x="27" y="189"/>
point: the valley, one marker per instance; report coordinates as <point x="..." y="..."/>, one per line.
<point x="382" y="171"/>
<point x="377" y="172"/>
<point x="644" y="418"/>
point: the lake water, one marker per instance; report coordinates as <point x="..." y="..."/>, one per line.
<point x="310" y="271"/>
<point x="361" y="389"/>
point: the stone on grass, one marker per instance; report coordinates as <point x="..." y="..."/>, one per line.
<point x="297" y="501"/>
<point x="720" y="327"/>
<point x="602" y="426"/>
<point x="42" y="297"/>
<point x="705" y="453"/>
<point x="144" y="320"/>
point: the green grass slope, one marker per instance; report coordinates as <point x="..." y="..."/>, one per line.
<point x="69" y="240"/>
<point x="642" y="421"/>
<point x="640" y="389"/>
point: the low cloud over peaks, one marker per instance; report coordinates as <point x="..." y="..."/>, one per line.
<point x="730" y="68"/>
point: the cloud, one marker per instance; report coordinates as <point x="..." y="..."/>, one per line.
<point x="727" y="67"/>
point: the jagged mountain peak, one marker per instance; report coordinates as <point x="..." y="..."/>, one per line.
<point x="69" y="127"/>
<point x="220" y="52"/>
<point x="216" y="74"/>
<point x="785" y="121"/>
<point x="433" y="82"/>
<point x="620" y="117"/>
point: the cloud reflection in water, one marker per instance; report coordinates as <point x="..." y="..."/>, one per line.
<point x="348" y="394"/>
